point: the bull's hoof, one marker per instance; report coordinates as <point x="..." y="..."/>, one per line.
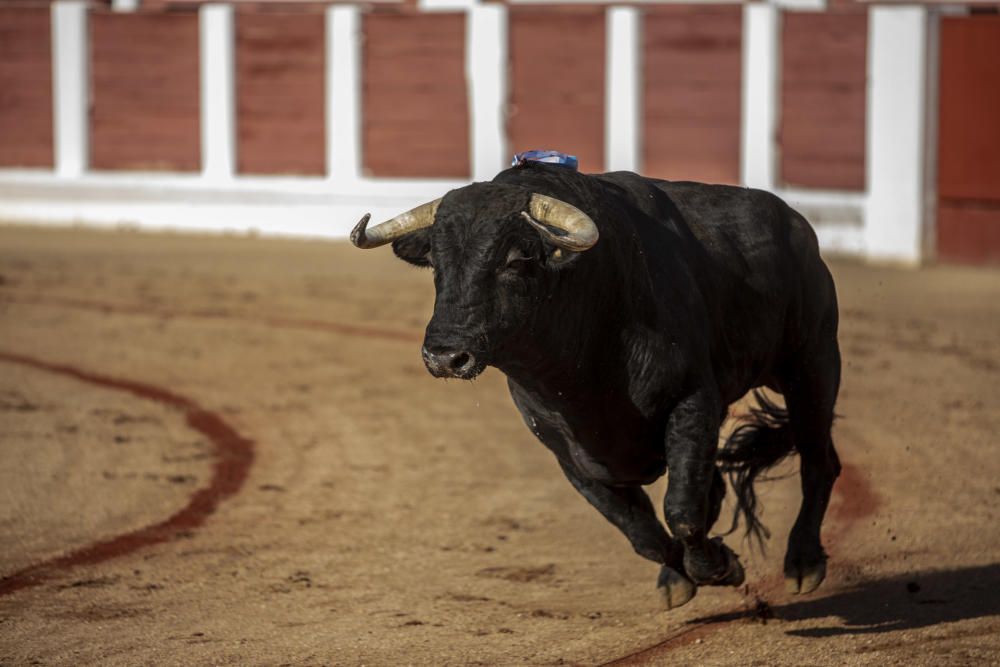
<point x="675" y="588"/>
<point x="726" y="569"/>
<point x="801" y="579"/>
<point x="735" y="575"/>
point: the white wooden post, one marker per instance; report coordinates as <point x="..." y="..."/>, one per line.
<point x="623" y="90"/>
<point x="218" y="92"/>
<point x="759" y="151"/>
<point x="343" y="94"/>
<point x="70" y="87"/>
<point x="486" y="72"/>
<point x="897" y="42"/>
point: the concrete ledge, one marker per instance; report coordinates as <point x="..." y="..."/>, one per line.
<point x="286" y="207"/>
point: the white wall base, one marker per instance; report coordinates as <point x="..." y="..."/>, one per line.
<point x="291" y="206"/>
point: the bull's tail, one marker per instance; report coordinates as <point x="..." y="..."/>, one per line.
<point x="757" y="445"/>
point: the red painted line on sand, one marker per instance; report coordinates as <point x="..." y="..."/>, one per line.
<point x="234" y="455"/>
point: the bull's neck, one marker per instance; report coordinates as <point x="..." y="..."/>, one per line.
<point x="575" y="346"/>
<point x="557" y="367"/>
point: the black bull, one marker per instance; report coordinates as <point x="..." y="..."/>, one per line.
<point x="623" y="358"/>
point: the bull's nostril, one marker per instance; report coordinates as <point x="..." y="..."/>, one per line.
<point x="445" y="362"/>
<point x="461" y="360"/>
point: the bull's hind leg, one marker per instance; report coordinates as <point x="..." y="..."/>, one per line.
<point x="810" y="395"/>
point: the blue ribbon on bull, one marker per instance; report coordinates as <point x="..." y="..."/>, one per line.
<point x="548" y="157"/>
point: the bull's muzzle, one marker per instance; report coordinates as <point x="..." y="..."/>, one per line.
<point x="450" y="363"/>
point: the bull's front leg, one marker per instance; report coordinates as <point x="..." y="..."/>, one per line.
<point x="630" y="510"/>
<point x="689" y="506"/>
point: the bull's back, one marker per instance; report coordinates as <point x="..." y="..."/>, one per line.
<point x="741" y="225"/>
<point x="755" y="263"/>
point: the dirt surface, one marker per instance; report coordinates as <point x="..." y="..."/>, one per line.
<point x="226" y="451"/>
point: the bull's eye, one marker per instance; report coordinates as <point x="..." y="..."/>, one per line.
<point x="516" y="263"/>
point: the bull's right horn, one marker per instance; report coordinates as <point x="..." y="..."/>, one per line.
<point x="563" y="224"/>
<point x="390" y="230"/>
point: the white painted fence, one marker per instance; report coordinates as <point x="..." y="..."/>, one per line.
<point x="884" y="223"/>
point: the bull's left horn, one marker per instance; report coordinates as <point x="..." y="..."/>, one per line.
<point x="562" y="224"/>
<point x="390" y="230"/>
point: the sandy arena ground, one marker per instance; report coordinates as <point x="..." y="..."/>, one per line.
<point x="226" y="451"/>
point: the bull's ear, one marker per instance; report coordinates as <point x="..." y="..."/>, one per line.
<point x="414" y="247"/>
<point x="557" y="258"/>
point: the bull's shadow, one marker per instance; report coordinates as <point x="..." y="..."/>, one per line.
<point x="904" y="602"/>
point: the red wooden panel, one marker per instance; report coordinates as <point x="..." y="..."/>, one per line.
<point x="968" y="222"/>
<point x="414" y="97"/>
<point x="691" y="92"/>
<point x="823" y="94"/>
<point x="144" y="91"/>
<point x="280" y="91"/>
<point x="557" y="81"/>
<point x="968" y="231"/>
<point x="969" y="112"/>
<point x="25" y="87"/>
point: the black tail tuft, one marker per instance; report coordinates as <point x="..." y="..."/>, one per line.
<point x="762" y="442"/>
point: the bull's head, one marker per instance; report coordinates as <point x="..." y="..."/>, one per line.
<point x="495" y="250"/>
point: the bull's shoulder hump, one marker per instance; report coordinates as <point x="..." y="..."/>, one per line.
<point x="689" y="194"/>
<point x="710" y="208"/>
<point x="716" y="192"/>
<point x="714" y="203"/>
<point x="627" y="180"/>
